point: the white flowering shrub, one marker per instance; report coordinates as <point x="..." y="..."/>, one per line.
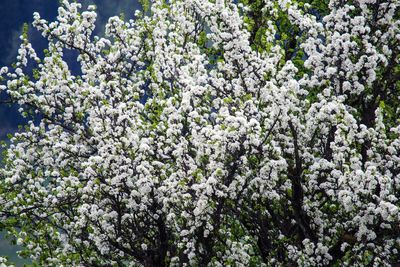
<point x="209" y="133"/>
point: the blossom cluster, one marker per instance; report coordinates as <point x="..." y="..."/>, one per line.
<point x="180" y="144"/>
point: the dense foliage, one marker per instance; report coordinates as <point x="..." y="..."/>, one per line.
<point x="209" y="133"/>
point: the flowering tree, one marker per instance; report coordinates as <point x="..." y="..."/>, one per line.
<point x="262" y="133"/>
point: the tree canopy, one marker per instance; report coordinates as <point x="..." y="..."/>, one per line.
<point x="209" y="133"/>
